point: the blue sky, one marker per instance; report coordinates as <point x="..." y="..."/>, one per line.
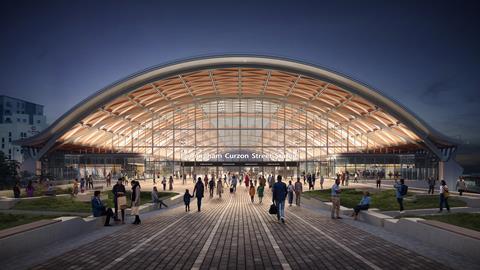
<point x="425" y="54"/>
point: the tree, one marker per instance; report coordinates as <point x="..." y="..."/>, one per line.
<point x="9" y="171"/>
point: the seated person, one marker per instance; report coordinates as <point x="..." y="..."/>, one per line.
<point x="363" y="205"/>
<point x="50" y="190"/>
<point x="99" y="209"/>
<point x="155" y="199"/>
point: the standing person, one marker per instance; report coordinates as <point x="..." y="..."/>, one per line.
<point x="99" y="209"/>
<point x="309" y="181"/>
<point x="279" y="196"/>
<point x="260" y="191"/>
<point x="211" y="186"/>
<point x="343" y="178"/>
<point x="118" y="191"/>
<point x="155" y="200"/>
<point x="164" y="182"/>
<point x="270" y="181"/>
<point x="109" y="180"/>
<point x="219" y="187"/>
<point x="379" y="181"/>
<point x="16" y="190"/>
<point x="262" y="181"/>
<point x="347" y="178"/>
<point x="154" y="179"/>
<point x="461" y="186"/>
<point x="322" y="180"/>
<point x="136" y="201"/>
<point x="198" y="192"/>
<point x="363" y="205"/>
<point x="186" y="200"/>
<point x="431" y="185"/>
<point x="251" y="192"/>
<point x="184" y="178"/>
<point x="444" y="194"/>
<point x="75" y="187"/>
<point x="30" y="189"/>
<point x="90" y="182"/>
<point x="355" y="179"/>
<point x="298" y="191"/>
<point x="400" y="191"/>
<point x="336" y="199"/>
<point x="170" y="183"/>
<point x="313" y="180"/>
<point x="290" y="190"/>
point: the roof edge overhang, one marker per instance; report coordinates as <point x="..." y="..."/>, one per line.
<point x="47" y="138"/>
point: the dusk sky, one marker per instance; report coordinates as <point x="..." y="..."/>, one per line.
<point x="425" y="54"/>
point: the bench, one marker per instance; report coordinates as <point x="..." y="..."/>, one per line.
<point x="26" y="227"/>
<point x="373" y="218"/>
<point x="452" y="228"/>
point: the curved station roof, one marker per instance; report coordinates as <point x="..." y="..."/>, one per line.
<point x="206" y="102"/>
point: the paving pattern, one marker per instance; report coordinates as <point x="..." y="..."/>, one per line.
<point x="233" y="233"/>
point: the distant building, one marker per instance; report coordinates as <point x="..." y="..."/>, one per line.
<point x="19" y="119"/>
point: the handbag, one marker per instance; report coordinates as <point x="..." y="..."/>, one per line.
<point x="273" y="209"/>
<point x="135" y="211"/>
<point x="122" y="202"/>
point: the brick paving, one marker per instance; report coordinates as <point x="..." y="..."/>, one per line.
<point x="174" y="239"/>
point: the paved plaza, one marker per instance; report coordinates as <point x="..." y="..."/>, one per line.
<point x="233" y="233"/>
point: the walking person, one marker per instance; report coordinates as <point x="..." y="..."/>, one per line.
<point x="211" y="186"/>
<point x="260" y="191"/>
<point x="298" y="191"/>
<point x="251" y="192"/>
<point x="219" y="187"/>
<point x="322" y="180"/>
<point x="363" y="205"/>
<point x="164" y="183"/>
<point x="444" y="195"/>
<point x="186" y="200"/>
<point x="290" y="190"/>
<point x="431" y="185"/>
<point x="118" y="191"/>
<point x="135" y="199"/>
<point x="461" y="186"/>
<point x="247" y="180"/>
<point x="400" y="192"/>
<point x="109" y="180"/>
<point x="82" y="185"/>
<point x="279" y="196"/>
<point x="335" y="194"/>
<point x="170" y="183"/>
<point x="90" y="182"/>
<point x="234" y="183"/>
<point x="198" y="192"/>
<point x="205" y="179"/>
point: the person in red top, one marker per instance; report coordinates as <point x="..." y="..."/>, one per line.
<point x="247" y="180"/>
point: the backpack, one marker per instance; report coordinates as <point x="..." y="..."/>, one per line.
<point x="404" y="190"/>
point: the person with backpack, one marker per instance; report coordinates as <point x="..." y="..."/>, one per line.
<point x="400" y="191"/>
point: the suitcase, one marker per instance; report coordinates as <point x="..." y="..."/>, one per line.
<point x="273" y="209"/>
<point x="231" y="190"/>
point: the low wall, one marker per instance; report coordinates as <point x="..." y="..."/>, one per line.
<point x="61" y="231"/>
<point x="414" y="228"/>
<point x="41" y="237"/>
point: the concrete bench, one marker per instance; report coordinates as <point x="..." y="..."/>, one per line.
<point x="373" y="218"/>
<point x="452" y="228"/>
<point x="26" y="227"/>
<point x="7" y="203"/>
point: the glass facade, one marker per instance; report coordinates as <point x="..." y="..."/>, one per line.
<point x="239" y="130"/>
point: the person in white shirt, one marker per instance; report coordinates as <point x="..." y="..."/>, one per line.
<point x="444" y="194"/>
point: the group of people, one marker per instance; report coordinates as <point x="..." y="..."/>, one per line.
<point x="99" y="208"/>
<point x="281" y="192"/>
